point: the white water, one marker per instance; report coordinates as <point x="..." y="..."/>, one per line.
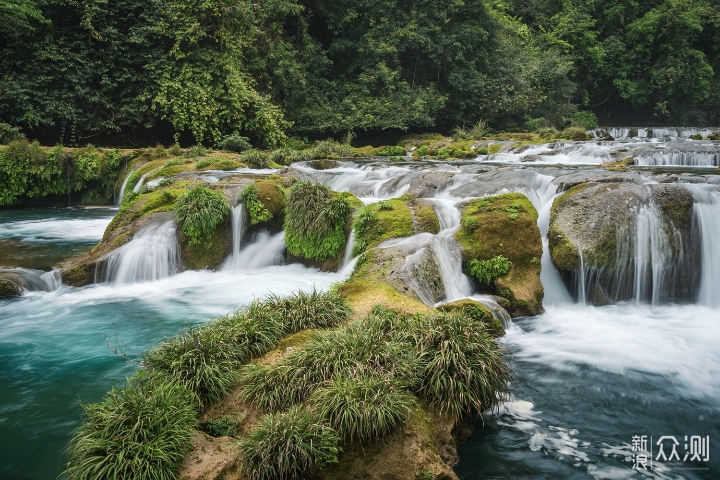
<point x="152" y="254"/>
<point x="457" y="284"/>
<point x="265" y="250"/>
<point x="122" y="189"/>
<point x="55" y="230"/>
<point x="30" y="280"/>
<point x="140" y="182"/>
<point x="707" y="216"/>
<point x="347" y="257"/>
<point x="653" y="253"/>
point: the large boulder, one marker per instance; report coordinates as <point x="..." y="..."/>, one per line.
<point x="620" y="237"/>
<point x="505" y="226"/>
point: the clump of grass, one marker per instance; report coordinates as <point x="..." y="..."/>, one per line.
<point x="392" y="151"/>
<point x="364" y="222"/>
<point x="315" y="221"/>
<point x="164" y="182"/>
<point x="314" y="309"/>
<point x="332" y="149"/>
<point x="257" y="159"/>
<point x="176" y="150"/>
<point x="141" y="431"/>
<point x="234" y="143"/>
<point x="363" y="408"/>
<point x="204" y="162"/>
<point x="256" y="209"/>
<point x="225" y="426"/>
<point x="171" y="163"/>
<point x="443" y="153"/>
<point x="469" y="224"/>
<point x="159" y="152"/>
<point x="196" y="151"/>
<point x="199" y="211"/>
<point x="485" y="271"/>
<point x="288" y="445"/>
<point x="482" y="151"/>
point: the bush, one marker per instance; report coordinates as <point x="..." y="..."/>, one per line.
<point x="573" y="133"/>
<point x="175" y="150"/>
<point x="171" y="163"/>
<point x="226" y="165"/>
<point x="443" y="153"/>
<point x="584" y="119"/>
<point x="535" y="124"/>
<point x="204" y="162"/>
<point x="548" y="133"/>
<point x="364" y="222"/>
<point x="332" y="149"/>
<point x="288" y="445"/>
<point x="142" y="431"/>
<point x="464" y="372"/>
<point x="257" y="159"/>
<point x="234" y="143"/>
<point x="422" y="150"/>
<point x="469" y="224"/>
<point x="392" y="151"/>
<point x="256" y="209"/>
<point x="199" y="211"/>
<point x="159" y="152"/>
<point x="8" y="133"/>
<point x="196" y="151"/>
<point x="482" y="151"/>
<point x="485" y="271"/>
<point x="363" y="408"/>
<point x="315" y="221"/>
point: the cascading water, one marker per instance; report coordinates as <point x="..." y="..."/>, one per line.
<point x="263" y="251"/>
<point x="122" y="188"/>
<point x="140" y="182"/>
<point x="347" y="257"/>
<point x="238" y="232"/>
<point x="151" y="255"/>
<point x="707" y="218"/>
<point x="29" y="280"/>
<point x="457" y="284"/>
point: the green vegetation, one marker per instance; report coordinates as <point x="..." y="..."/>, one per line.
<point x="177" y="161"/>
<point x="199" y="212"/>
<point x="486" y="271"/>
<point x="204" y="162"/>
<point x="225" y="426"/>
<point x="381" y="221"/>
<point x="234" y="143"/>
<point x="315" y="221"/>
<point x="196" y="151"/>
<point x="257" y="159"/>
<point x="256" y="209"/>
<point x="140" y="431"/>
<point x="392" y="152"/>
<point x="8" y="133"/>
<point x="287" y="445"/>
<point x="30" y="171"/>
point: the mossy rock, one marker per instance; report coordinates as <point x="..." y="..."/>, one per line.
<point x="368" y="151"/>
<point x="394" y="220"/>
<point x="362" y="294"/>
<point x="209" y="253"/>
<point x="9" y="289"/>
<point x="476" y="311"/>
<point x="506" y="225"/>
<point x="424" y="217"/>
<point x="79" y="275"/>
<point x="271" y="195"/>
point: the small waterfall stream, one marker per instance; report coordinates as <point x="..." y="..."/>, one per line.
<point x="457" y="284"/>
<point x="122" y="188"/>
<point x="707" y="217"/>
<point x="151" y="255"/>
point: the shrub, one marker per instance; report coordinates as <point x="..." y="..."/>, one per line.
<point x="392" y="151"/>
<point x="443" y="153"/>
<point x="199" y="211"/>
<point x="196" y="151"/>
<point x="422" y="150"/>
<point x="548" y="133"/>
<point x="142" y="431"/>
<point x="159" y="152"/>
<point x="226" y="165"/>
<point x="364" y="222"/>
<point x="573" y="133"/>
<point x="8" y="133"/>
<point x="204" y="162"/>
<point x="256" y="209"/>
<point x="257" y="159"/>
<point x="234" y="143"/>
<point x="300" y="155"/>
<point x="171" y="163"/>
<point x="363" y="408"/>
<point x="315" y="221"/>
<point x="278" y="157"/>
<point x="386" y="206"/>
<point x="175" y="150"/>
<point x="464" y="372"/>
<point x="535" y="124"/>
<point x="485" y="271"/>
<point x="225" y="426"/>
<point x="469" y="224"/>
<point x="330" y="149"/>
<point x="482" y="151"/>
<point x="165" y="182"/>
<point x="584" y="119"/>
<point x="288" y="445"/>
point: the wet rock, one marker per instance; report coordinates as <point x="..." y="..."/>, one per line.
<point x="428" y="184"/>
<point x="714" y="136"/>
<point x="322" y="164"/>
<point x="506" y="225"/>
<point x="8" y="288"/>
<point x="566" y="182"/>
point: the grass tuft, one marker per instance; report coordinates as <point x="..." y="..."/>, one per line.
<point x="199" y="211"/>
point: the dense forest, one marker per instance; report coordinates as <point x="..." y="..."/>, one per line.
<point x="140" y="71"/>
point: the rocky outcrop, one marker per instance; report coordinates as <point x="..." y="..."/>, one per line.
<point x="609" y="228"/>
<point x="8" y="288"/>
<point x="506" y="226"/>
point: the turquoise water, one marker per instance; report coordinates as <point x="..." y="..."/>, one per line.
<point x="53" y="354"/>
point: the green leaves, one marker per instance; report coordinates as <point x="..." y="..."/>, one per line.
<point x="485" y="271"/>
<point x="199" y="211"/>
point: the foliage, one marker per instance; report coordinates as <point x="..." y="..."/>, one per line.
<point x="204" y="162"/>
<point x="288" y="445"/>
<point x="159" y="151"/>
<point x="234" y="143"/>
<point x="225" y="426"/>
<point x="257" y="159"/>
<point x="363" y="408"/>
<point x="469" y="224"/>
<point x="170" y="163"/>
<point x="485" y="271"/>
<point x="331" y="149"/>
<point x="175" y="150"/>
<point x="315" y="221"/>
<point x="584" y="119"/>
<point x="443" y="153"/>
<point x="8" y="133"/>
<point x="199" y="211"/>
<point x="392" y="151"/>
<point x="140" y="431"/>
<point x="196" y="151"/>
<point x="256" y="209"/>
<point x="314" y="309"/>
<point x="364" y="221"/>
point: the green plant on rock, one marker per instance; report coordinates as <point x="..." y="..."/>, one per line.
<point x="422" y="150"/>
<point x="204" y="162"/>
<point x="364" y="222"/>
<point x="482" y="151"/>
<point x="392" y="151"/>
<point x="315" y="309"/>
<point x="196" y="151"/>
<point x="174" y="162"/>
<point x="384" y="206"/>
<point x="315" y="221"/>
<point x="234" y="143"/>
<point x="288" y="445"/>
<point x="469" y="224"/>
<point x="175" y="150"/>
<point x="159" y="151"/>
<point x="140" y="431"/>
<point x="332" y="149"/>
<point x="256" y="209"/>
<point x="257" y="159"/>
<point x="199" y="211"/>
<point x="485" y="271"/>
<point x="225" y="426"/>
<point x="443" y="153"/>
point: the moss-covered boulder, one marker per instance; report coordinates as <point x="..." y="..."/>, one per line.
<point x="265" y="202"/>
<point x="8" y="288"/>
<point x="504" y="227"/>
<point x="477" y="311"/>
<point x="602" y="222"/>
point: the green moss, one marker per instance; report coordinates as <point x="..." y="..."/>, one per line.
<point x="381" y="221"/>
<point x="79" y="275"/>
<point x="8" y="289"/>
<point x="494" y="148"/>
<point x="427" y="218"/>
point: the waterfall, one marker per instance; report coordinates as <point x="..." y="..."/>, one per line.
<point x="151" y="255"/>
<point x="707" y="218"/>
<point x="142" y="179"/>
<point x="348" y="249"/>
<point x="654" y="255"/>
<point x="29" y="280"/>
<point x="457" y="284"/>
<point x="238" y="232"/>
<point x="264" y="250"/>
<point x="122" y="189"/>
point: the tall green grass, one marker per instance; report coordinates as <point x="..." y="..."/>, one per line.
<point x="199" y="211"/>
<point x="288" y="445"/>
<point x="141" y="432"/>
